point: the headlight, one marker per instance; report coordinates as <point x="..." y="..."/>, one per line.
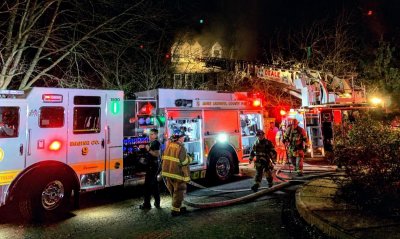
<point x="222" y="138"/>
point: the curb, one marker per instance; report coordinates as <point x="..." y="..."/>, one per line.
<point x="313" y="219"/>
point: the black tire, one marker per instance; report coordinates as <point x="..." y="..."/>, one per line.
<point x="221" y="166"/>
<point x="48" y="197"/>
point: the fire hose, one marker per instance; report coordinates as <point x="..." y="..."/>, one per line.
<point x="286" y="183"/>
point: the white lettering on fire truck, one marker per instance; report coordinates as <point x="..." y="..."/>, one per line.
<point x="221" y="103"/>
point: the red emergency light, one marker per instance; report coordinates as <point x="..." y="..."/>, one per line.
<point x="256" y="102"/>
<point x="146" y="109"/>
<point x="55" y="145"/>
<point x="282" y="112"/>
<point x="52" y="98"/>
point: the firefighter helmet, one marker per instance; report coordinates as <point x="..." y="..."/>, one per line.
<point x="259" y="132"/>
<point x="177" y="134"/>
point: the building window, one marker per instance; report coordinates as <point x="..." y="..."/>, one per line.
<point x="188" y="81"/>
<point x="177" y="81"/>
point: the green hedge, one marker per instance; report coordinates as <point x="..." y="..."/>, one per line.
<point x="369" y="151"/>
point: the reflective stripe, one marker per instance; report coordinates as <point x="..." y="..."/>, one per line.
<point x="186" y="162"/>
<point x="6" y="177"/>
<point x="171" y="158"/>
<point x="175" y="146"/>
<point x="175" y="209"/>
<point x="175" y="176"/>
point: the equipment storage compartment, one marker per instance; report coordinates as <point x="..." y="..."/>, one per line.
<point x="250" y="122"/>
<point x="192" y="129"/>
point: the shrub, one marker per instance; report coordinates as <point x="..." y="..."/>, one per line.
<point x="369" y="151"/>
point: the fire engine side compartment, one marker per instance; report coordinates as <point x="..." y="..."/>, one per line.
<point x="220" y="118"/>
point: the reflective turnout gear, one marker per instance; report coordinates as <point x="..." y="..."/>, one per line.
<point x="296" y="138"/>
<point x="177" y="189"/>
<point x="298" y="162"/>
<point x="175" y="169"/>
<point x="261" y="168"/>
<point x="264" y="152"/>
<point x="176" y="162"/>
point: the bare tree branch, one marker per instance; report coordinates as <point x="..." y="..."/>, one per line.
<point x="53" y="40"/>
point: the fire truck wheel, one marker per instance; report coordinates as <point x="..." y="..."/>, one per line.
<point x="221" y="166"/>
<point x="47" y="197"/>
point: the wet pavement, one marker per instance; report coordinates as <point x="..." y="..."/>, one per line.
<point x="108" y="214"/>
<point x="114" y="213"/>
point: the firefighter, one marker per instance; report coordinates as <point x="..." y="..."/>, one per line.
<point x="152" y="168"/>
<point x="271" y="133"/>
<point x="264" y="152"/>
<point x="295" y="138"/>
<point x="175" y="170"/>
<point x="279" y="144"/>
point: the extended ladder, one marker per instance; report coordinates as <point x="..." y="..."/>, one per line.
<point x="312" y="124"/>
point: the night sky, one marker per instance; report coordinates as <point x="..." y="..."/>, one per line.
<point x="255" y="23"/>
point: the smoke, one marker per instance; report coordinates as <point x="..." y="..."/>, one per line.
<point x="239" y="23"/>
<point x="232" y="23"/>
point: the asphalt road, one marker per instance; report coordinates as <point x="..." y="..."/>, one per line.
<point x="114" y="213"/>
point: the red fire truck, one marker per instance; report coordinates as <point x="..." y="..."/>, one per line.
<point x="55" y="143"/>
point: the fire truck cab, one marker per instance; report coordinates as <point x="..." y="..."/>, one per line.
<point x="57" y="142"/>
<point x="220" y="127"/>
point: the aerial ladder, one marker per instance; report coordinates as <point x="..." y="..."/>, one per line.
<point x="324" y="96"/>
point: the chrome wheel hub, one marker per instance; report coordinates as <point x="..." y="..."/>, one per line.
<point x="52" y="195"/>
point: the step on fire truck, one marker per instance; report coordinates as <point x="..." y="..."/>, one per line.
<point x="55" y="143"/>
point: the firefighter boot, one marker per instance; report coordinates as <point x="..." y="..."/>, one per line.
<point x="255" y="187"/>
<point x="182" y="210"/>
<point x="299" y="173"/>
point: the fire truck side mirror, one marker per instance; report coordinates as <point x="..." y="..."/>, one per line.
<point x="183" y="103"/>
